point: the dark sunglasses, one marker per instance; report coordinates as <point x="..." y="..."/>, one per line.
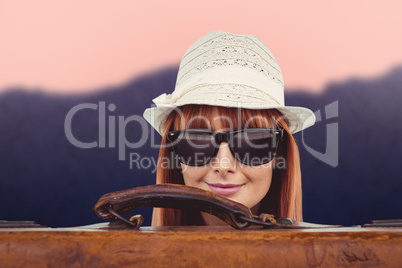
<point x="253" y="147"/>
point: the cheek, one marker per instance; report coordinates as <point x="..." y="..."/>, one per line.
<point x="259" y="174"/>
<point x="193" y="176"/>
<point x="259" y="183"/>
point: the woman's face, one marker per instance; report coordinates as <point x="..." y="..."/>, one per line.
<point x="226" y="176"/>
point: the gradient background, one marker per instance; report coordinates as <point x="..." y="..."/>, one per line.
<point x="58" y="54"/>
<point x="75" y="46"/>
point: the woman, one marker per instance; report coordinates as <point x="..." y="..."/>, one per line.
<point x="225" y="129"/>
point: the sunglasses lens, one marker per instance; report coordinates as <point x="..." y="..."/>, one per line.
<point x="255" y="147"/>
<point x="194" y="149"/>
<point x="252" y="147"/>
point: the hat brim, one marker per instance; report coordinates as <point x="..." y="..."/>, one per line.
<point x="299" y="118"/>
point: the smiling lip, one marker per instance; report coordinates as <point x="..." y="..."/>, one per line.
<point x="225" y="189"/>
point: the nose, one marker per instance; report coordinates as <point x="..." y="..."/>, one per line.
<point x="224" y="162"/>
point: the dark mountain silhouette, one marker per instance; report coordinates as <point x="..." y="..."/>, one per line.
<point x="367" y="183"/>
<point x="43" y="177"/>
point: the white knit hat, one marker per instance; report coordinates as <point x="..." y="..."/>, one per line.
<point x="230" y="70"/>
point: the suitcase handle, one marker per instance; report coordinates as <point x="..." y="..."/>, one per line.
<point x="112" y="205"/>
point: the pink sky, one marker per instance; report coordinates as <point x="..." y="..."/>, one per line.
<point x="74" y="46"/>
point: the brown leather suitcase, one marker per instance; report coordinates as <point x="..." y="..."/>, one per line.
<point x="275" y="244"/>
<point x="203" y="246"/>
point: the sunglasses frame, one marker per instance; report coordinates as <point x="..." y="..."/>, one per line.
<point x="228" y="137"/>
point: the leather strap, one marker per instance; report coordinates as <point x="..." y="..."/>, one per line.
<point x="112" y="205"/>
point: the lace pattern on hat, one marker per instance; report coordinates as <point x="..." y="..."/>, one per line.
<point x="230" y="62"/>
<point x="231" y="94"/>
<point x="230" y="39"/>
<point x="241" y="51"/>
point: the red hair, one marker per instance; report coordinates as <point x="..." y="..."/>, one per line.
<point x="284" y="198"/>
